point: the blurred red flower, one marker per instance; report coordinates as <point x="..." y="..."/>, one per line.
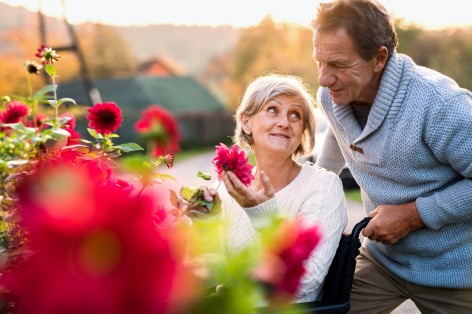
<point x="38" y="121"/>
<point x="283" y="265"/>
<point x="232" y="160"/>
<point x="105" y="118"/>
<point x="14" y="112"/>
<point x="160" y="129"/>
<point x="96" y="249"/>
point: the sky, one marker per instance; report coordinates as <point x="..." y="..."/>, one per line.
<point x="431" y="14"/>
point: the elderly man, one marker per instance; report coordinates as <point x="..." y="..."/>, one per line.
<point x="405" y="131"/>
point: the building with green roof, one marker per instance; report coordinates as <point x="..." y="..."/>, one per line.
<point x="203" y="120"/>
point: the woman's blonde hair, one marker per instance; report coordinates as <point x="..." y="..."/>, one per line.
<point x="267" y="87"/>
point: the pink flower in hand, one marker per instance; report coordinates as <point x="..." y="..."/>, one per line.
<point x="232" y="160"/>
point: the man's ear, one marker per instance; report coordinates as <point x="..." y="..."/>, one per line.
<point x="381" y="59"/>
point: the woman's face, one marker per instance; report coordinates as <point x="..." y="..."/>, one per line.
<point x="278" y="127"/>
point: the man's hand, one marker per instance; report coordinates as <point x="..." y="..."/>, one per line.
<point x="391" y="223"/>
<point x="248" y="196"/>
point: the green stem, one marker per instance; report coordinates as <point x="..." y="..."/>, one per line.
<point x="56" y="107"/>
<point x="33" y="102"/>
<point x="30" y="87"/>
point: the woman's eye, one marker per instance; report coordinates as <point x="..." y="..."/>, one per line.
<point x="272" y="109"/>
<point x="295" y="115"/>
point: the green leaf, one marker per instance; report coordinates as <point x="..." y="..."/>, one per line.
<point x="164" y="176"/>
<point x="93" y="133"/>
<point x="42" y="93"/>
<point x="63" y="100"/>
<point x="147" y="165"/>
<point x="17" y="126"/>
<point x="129" y="147"/>
<point x="204" y="175"/>
<point x="58" y="131"/>
<point x="50" y="69"/>
<point x="53" y="103"/>
<point x="187" y="192"/>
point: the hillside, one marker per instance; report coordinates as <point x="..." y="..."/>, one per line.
<point x="192" y="47"/>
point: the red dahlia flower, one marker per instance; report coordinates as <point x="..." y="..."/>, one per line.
<point x="105" y="118"/>
<point x="159" y="127"/>
<point x="15" y="111"/>
<point x="232" y="160"/>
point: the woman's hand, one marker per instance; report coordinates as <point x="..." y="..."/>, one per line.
<point x="248" y="196"/>
<point x="206" y="205"/>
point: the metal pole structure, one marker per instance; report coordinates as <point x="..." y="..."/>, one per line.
<point x="93" y="94"/>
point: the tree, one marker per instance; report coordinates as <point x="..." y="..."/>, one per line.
<point x="106" y="53"/>
<point x="270" y="47"/>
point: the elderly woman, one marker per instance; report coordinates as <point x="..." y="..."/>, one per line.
<point x="275" y="120"/>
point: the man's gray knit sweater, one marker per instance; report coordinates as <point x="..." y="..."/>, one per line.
<point x="416" y="146"/>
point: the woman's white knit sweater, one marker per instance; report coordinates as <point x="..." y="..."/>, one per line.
<point x="316" y="195"/>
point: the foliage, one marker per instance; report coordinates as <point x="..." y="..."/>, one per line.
<point x="106" y="52"/>
<point x="270" y="47"/>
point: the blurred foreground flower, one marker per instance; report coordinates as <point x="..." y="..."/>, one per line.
<point x="160" y="130"/>
<point x="95" y="248"/>
<point x="282" y="264"/>
<point x="232" y="160"/>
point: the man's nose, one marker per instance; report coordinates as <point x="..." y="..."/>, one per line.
<point x="326" y="77"/>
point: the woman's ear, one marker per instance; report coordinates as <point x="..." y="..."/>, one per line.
<point x="245" y="121"/>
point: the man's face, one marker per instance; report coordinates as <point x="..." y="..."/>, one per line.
<point x="341" y="69"/>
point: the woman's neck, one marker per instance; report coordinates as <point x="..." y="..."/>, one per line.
<point x="280" y="172"/>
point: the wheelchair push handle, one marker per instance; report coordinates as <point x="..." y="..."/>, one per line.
<point x="359" y="226"/>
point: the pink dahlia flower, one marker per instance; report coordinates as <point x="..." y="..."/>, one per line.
<point x="232" y="160"/>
